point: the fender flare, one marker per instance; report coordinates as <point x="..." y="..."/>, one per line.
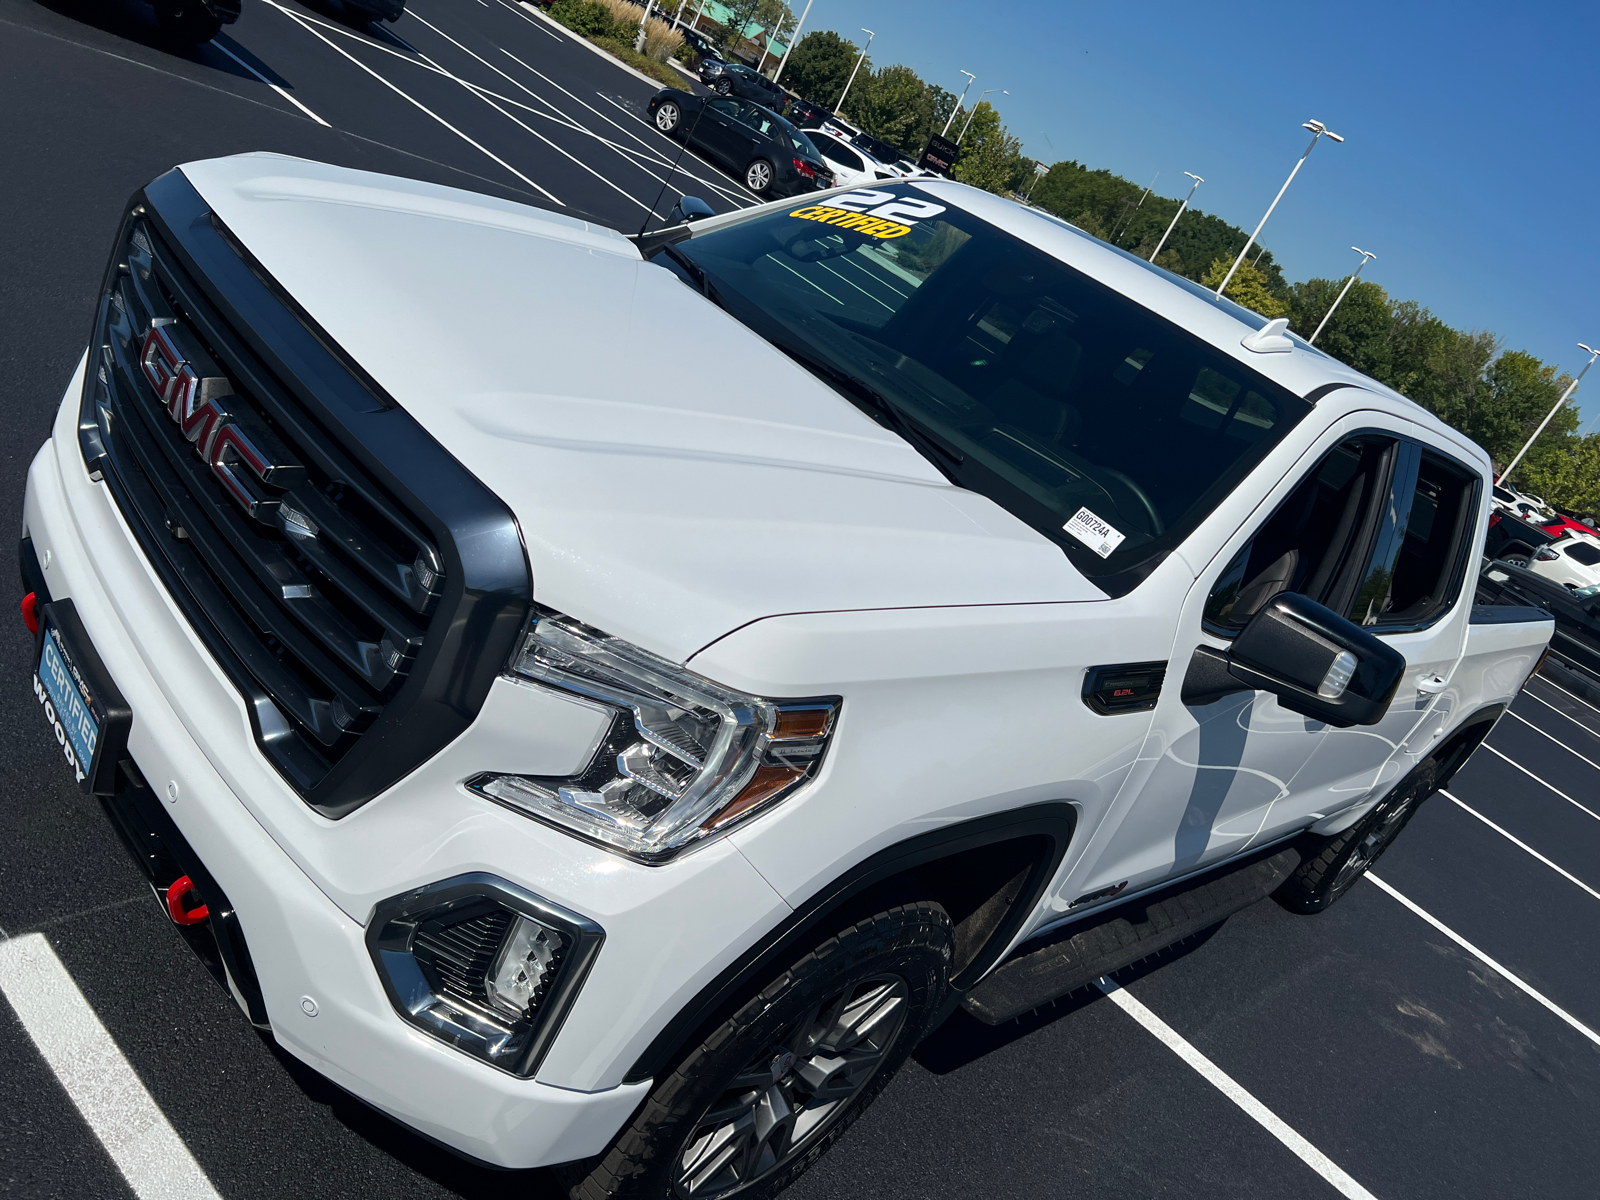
<point x="1052" y="823"/>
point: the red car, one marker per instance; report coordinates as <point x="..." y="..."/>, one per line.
<point x="1564" y="524"/>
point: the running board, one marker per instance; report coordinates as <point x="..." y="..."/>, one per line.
<point x="1121" y="937"/>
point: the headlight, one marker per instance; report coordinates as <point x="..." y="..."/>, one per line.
<point x="684" y="757"/>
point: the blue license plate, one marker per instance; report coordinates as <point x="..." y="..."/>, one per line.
<point x="61" y="692"/>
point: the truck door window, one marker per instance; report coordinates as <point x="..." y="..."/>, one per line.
<point x="1418" y="552"/>
<point x="1312" y="542"/>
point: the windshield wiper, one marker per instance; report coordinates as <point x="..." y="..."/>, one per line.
<point x="945" y="457"/>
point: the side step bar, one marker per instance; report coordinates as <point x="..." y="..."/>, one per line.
<point x="1121" y="937"/>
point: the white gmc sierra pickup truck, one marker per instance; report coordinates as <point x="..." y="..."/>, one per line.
<point x="604" y="700"/>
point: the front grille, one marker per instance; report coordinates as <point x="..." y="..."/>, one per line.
<point x="319" y="590"/>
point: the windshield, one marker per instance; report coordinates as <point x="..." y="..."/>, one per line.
<point x="1108" y="429"/>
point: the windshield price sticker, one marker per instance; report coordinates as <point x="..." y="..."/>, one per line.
<point x="878" y="214"/>
<point x="1094" y="533"/>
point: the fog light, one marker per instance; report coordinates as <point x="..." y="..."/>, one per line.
<point x="524" y="967"/>
<point x="483" y="965"/>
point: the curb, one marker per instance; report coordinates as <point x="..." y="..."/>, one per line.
<point x="591" y="47"/>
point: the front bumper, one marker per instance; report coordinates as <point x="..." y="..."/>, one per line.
<point x="304" y="887"/>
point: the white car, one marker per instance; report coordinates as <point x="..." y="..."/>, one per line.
<point x="851" y="166"/>
<point x="1572" y="560"/>
<point x="584" y="765"/>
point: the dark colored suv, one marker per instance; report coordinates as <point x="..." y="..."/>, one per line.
<point x="736" y="79"/>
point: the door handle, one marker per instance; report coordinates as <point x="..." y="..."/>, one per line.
<point x="1432" y="685"/>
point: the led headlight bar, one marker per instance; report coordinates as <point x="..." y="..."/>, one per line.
<point x="483" y="965"/>
<point x="684" y="757"/>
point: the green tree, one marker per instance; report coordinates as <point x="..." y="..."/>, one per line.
<point x="888" y="103"/>
<point x="819" y="66"/>
<point x="1358" y="334"/>
<point x="990" y="157"/>
<point x="1249" y="287"/>
<point x="742" y="14"/>
<point x="1565" y="472"/>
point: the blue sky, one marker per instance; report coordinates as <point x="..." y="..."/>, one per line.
<point x="1472" y="165"/>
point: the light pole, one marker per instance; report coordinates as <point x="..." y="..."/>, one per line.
<point x="861" y="58"/>
<point x="793" y="38"/>
<point x="1317" y="130"/>
<point x="1366" y="257"/>
<point x="1571" y="387"/>
<point x="974" y="111"/>
<point x="970" y="78"/>
<point x="1197" y="182"/>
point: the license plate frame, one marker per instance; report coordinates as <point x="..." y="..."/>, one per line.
<point x="80" y="703"/>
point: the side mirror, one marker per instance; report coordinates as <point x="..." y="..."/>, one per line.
<point x="1314" y="661"/>
<point x="692" y="208"/>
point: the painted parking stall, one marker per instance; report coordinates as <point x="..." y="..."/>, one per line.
<point x="1429" y="1036"/>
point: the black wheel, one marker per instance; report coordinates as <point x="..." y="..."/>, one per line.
<point x="187" y="22"/>
<point x="1331" y="865"/>
<point x="668" y="115"/>
<point x="758" y="176"/>
<point x="723" y="87"/>
<point x="755" y="1104"/>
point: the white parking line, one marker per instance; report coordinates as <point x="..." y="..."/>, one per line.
<point x="1489" y="962"/>
<point x="1553" y="738"/>
<point x="1558" y="712"/>
<point x="272" y="85"/>
<point x="1574" y="695"/>
<point x="1516" y="841"/>
<point x="1536" y="779"/>
<point x="1225" y="1083"/>
<point x="295" y="17"/>
<point x="96" y="1076"/>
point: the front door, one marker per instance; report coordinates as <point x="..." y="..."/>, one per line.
<point x="1416" y="595"/>
<point x="1221" y="764"/>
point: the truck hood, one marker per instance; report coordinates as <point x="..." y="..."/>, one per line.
<point x="674" y="475"/>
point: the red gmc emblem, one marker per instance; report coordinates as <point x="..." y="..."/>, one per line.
<point x="194" y="401"/>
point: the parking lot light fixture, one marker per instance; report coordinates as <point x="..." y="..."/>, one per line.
<point x="974" y="111"/>
<point x="1318" y="131"/>
<point x="1197" y="182"/>
<point x="860" y="58"/>
<point x="794" y="37"/>
<point x="945" y="132"/>
<point x="1366" y="257"/>
<point x="1550" y="416"/>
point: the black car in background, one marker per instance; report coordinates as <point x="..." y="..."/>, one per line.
<point x="766" y="152"/>
<point x="736" y="79"/>
<point x="1576" y="640"/>
<point x="700" y="44"/>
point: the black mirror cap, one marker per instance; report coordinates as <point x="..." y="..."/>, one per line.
<point x="694" y="209"/>
<point x="1288" y="648"/>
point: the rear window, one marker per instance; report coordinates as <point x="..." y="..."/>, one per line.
<point x="1107" y="428"/>
<point x="1584" y="553"/>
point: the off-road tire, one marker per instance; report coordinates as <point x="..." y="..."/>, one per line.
<point x="187" y="22"/>
<point x="910" y="941"/>
<point x="1331" y="865"/>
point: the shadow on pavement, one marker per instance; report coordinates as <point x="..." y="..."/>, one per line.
<point x="963" y="1039"/>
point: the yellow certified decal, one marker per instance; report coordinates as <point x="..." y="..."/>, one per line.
<point x="877" y="227"/>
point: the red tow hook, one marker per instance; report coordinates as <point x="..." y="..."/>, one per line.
<point x="30" y="612"/>
<point x="176" y="894"/>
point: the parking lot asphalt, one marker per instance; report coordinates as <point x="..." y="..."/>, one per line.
<point x="1398" y="1054"/>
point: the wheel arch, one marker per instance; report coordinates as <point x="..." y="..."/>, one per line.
<point x="1463" y="740"/>
<point x="989" y="874"/>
